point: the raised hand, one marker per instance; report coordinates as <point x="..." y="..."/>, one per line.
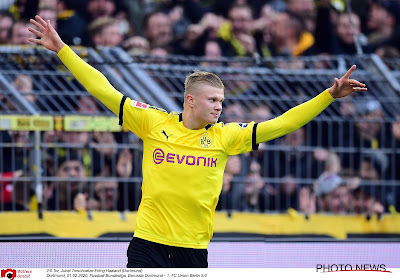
<point x="48" y="35"/>
<point x="344" y="86"/>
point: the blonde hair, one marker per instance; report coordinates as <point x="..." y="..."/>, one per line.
<point x="201" y="77"/>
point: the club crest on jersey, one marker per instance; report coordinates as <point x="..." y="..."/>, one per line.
<point x="205" y="141"/>
<point x="139" y="104"/>
<point x="243" y="125"/>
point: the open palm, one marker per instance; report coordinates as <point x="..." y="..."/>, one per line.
<point x="49" y="37"/>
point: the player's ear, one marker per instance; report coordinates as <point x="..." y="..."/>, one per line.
<point x="190" y="100"/>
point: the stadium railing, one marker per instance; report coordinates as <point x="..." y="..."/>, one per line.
<point x="47" y="117"/>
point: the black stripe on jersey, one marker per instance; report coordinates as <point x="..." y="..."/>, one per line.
<point x="254" y="144"/>
<point x="121" y="111"/>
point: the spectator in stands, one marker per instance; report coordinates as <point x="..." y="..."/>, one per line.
<point x="24" y="85"/>
<point x="71" y="25"/>
<point x="212" y="53"/>
<point x="236" y="39"/>
<point x="107" y="192"/>
<point x="49" y="13"/>
<point x="289" y="37"/>
<point x="96" y="9"/>
<point x="343" y="36"/>
<point x="209" y="24"/>
<point x="71" y="173"/>
<point x="24" y="9"/>
<point x="234" y="112"/>
<point x="259" y="112"/>
<point x="104" y="153"/>
<point x="19" y="34"/>
<point x="307" y="200"/>
<point x="136" y="11"/>
<point x="96" y="160"/>
<point x="105" y="31"/>
<point x="264" y="27"/>
<point x="293" y="160"/>
<point x="371" y="131"/>
<point x="87" y="105"/>
<point x="85" y="199"/>
<point x="255" y="191"/>
<point x="129" y="192"/>
<point x="332" y="194"/>
<point x="383" y="22"/>
<point x="230" y="190"/>
<point x="364" y="201"/>
<point x="22" y="195"/>
<point x="75" y="143"/>
<point x="198" y="34"/>
<point x="137" y="45"/>
<point x="348" y="31"/>
<point x="372" y="170"/>
<point x="305" y="10"/>
<point x="332" y="163"/>
<point x="158" y="30"/>
<point x="373" y="166"/>
<point x="177" y="16"/>
<point x="101" y="8"/>
<point x="6" y="23"/>
<point x="286" y="194"/>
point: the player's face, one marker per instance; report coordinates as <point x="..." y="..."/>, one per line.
<point x="208" y="104"/>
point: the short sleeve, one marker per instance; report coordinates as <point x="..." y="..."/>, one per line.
<point x="239" y="138"/>
<point x="140" y="117"/>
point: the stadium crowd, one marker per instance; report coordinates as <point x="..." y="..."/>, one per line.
<point x="215" y="29"/>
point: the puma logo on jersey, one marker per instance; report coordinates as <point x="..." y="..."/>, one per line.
<point x="163" y="132"/>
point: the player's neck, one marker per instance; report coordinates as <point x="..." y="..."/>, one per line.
<point x="191" y="122"/>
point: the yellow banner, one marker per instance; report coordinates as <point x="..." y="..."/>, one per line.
<point x="91" y="123"/>
<point x="26" y="123"/>
<point x="73" y="224"/>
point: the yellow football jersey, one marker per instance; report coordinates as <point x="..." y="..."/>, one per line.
<point x="182" y="173"/>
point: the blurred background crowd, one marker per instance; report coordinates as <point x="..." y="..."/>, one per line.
<point x="214" y="28"/>
<point x="310" y="175"/>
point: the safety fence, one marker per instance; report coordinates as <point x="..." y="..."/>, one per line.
<point x="61" y="149"/>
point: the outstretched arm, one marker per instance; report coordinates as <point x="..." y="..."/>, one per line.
<point x="305" y="112"/>
<point x="95" y="82"/>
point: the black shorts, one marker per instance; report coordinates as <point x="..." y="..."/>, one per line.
<point x="143" y="253"/>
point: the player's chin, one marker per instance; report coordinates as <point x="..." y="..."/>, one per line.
<point x="214" y="119"/>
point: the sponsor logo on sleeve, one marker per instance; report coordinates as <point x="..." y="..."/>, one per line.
<point x="139" y="104"/>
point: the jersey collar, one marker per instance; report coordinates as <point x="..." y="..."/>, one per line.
<point x="206" y="127"/>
